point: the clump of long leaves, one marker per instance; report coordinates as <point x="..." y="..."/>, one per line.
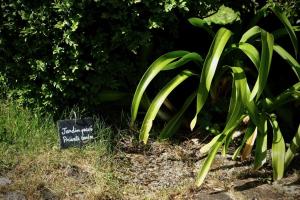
<point x="245" y="102"/>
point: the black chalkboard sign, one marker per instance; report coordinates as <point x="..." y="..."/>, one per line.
<point x="75" y="133"/>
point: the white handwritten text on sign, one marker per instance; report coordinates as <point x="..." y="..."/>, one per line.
<point x="75" y="132"/>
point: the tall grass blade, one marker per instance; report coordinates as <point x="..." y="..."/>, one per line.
<point x="278" y="151"/>
<point x="157" y="66"/>
<point x="209" y="68"/>
<point x="283" y="18"/>
<point x="175" y="122"/>
<point x="293" y="149"/>
<point x="265" y="63"/>
<point x="158" y="101"/>
<point x="287" y="57"/>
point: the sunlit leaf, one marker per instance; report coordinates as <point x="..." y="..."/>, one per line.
<point x="251" y="33"/>
<point x="208" y="161"/>
<point x="209" y="68"/>
<point x="261" y="144"/>
<point x="265" y="64"/>
<point x="278" y="150"/>
<point x="293" y="149"/>
<point x="251" y="52"/>
<point x="157" y="66"/>
<point x="145" y="103"/>
<point x="185" y="59"/>
<point x="291" y="94"/>
<point x="158" y="101"/>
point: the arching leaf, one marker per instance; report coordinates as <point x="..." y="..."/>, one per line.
<point x="158" y="101"/>
<point x="287" y="57"/>
<point x="209" y="68"/>
<point x="157" y="66"/>
<point x="278" y="150"/>
<point x="265" y="64"/>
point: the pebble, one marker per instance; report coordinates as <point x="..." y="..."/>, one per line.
<point x="4" y="181"/>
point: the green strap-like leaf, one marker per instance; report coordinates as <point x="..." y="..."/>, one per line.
<point x="283" y="18"/>
<point x="278" y="150"/>
<point x="157" y="66"/>
<point x="208" y="161"/>
<point x="212" y="154"/>
<point x="261" y="143"/>
<point x="265" y="64"/>
<point x="291" y="94"/>
<point x="185" y="59"/>
<point x="252" y="32"/>
<point x="250" y="51"/>
<point x="287" y="57"/>
<point x="209" y="68"/>
<point x="207" y="147"/>
<point x="158" y="101"/>
<point x="293" y="149"/>
<point x="175" y="122"/>
<point x="145" y="103"/>
<point x="233" y="121"/>
<point x="283" y="32"/>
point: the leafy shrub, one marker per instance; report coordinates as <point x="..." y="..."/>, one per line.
<point x="254" y="103"/>
<point x="65" y="52"/>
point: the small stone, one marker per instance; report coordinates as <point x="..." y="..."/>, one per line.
<point x="16" y="195"/>
<point x="4" y="181"/>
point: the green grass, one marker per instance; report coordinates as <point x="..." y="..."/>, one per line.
<point x="30" y="156"/>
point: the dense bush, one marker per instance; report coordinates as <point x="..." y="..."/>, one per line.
<point x="68" y="52"/>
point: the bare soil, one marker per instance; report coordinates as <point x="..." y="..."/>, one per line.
<point x="168" y="171"/>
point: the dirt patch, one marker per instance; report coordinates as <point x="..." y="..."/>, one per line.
<point x="168" y="171"/>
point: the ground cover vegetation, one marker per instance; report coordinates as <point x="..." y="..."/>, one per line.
<point x="38" y="169"/>
<point x="250" y="102"/>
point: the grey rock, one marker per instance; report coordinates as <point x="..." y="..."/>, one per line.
<point x="4" y="181"/>
<point x="15" y="195"/>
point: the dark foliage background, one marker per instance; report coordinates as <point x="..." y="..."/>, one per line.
<point x="88" y="53"/>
